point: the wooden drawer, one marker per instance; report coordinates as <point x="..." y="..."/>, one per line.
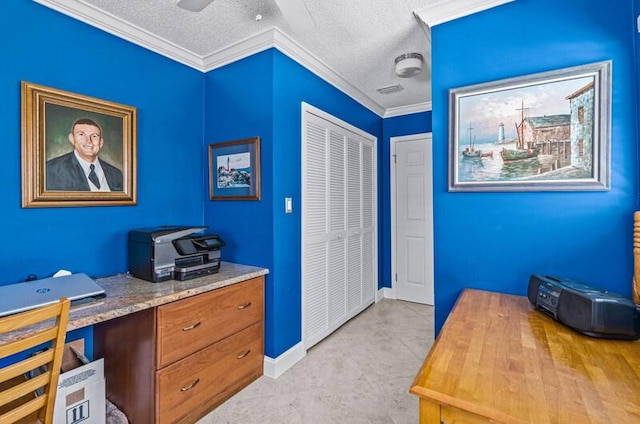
<point x="188" y="389"/>
<point x="188" y="325"/>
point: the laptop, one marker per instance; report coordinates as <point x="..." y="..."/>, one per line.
<point x="78" y="288"/>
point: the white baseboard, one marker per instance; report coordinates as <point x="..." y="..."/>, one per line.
<point x="379" y="295"/>
<point x="385" y="293"/>
<point x="275" y="367"/>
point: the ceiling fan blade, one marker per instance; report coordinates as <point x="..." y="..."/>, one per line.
<point x="194" y="5"/>
<point x="296" y="14"/>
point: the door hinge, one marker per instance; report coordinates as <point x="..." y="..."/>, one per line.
<point x="396" y="276"/>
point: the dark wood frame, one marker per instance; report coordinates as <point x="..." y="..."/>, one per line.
<point x="229" y="148"/>
<point x="36" y="101"/>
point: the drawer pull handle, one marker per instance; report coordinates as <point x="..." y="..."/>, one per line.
<point x="244" y="305"/>
<point x="190" y="386"/>
<point x="192" y="326"/>
<point x="243" y="354"/>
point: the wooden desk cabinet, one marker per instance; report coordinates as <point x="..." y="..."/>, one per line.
<point x="176" y="362"/>
<point x="498" y="360"/>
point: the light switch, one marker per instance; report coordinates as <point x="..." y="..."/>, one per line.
<point x="288" y="205"/>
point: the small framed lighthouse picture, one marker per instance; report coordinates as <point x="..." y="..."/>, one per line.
<point x="234" y="170"/>
<point x="542" y="132"/>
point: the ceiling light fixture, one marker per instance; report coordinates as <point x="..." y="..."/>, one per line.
<point x="193" y="5"/>
<point x="409" y="65"/>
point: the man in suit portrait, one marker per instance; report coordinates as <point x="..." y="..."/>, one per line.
<point x="82" y="169"/>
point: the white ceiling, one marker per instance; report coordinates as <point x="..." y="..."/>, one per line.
<point x="351" y="44"/>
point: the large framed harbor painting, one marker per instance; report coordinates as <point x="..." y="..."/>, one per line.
<point x="542" y="132"/>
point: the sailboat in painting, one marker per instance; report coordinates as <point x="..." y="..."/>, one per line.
<point x="471" y="152"/>
<point x="520" y="152"/>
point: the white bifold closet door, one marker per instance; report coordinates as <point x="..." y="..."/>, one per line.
<point x="339" y="243"/>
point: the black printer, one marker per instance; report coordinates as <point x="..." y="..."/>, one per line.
<point x="586" y="309"/>
<point x="173" y="253"/>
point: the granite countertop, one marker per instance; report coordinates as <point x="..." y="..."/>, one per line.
<point x="126" y="294"/>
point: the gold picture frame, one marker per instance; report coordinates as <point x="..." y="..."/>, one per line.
<point x="63" y="136"/>
<point x="234" y="170"/>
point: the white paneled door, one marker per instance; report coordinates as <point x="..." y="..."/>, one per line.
<point x="339" y="203"/>
<point x="413" y="218"/>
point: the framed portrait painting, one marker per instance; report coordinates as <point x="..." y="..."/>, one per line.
<point x="76" y="150"/>
<point x="542" y="132"/>
<point x="234" y="170"/>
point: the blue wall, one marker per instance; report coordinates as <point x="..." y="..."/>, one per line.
<point x="257" y="96"/>
<point x="294" y="84"/>
<point x="261" y="96"/>
<point x="45" y="47"/>
<point x="581" y="235"/>
<point x="415" y="123"/>
<point x="587" y="236"/>
<point x="239" y="105"/>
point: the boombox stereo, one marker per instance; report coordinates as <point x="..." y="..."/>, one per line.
<point x="588" y="310"/>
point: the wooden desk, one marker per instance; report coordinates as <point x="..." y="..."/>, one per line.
<point x="499" y="360"/>
<point x="127" y="295"/>
<point x="208" y="331"/>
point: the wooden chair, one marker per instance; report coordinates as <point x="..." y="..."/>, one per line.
<point x="636" y="258"/>
<point x="17" y="399"/>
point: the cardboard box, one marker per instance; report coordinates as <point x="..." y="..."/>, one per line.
<point x="81" y="395"/>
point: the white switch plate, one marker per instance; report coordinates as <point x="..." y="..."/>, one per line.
<point x="288" y="205"/>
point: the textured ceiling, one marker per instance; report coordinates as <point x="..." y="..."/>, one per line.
<point x="355" y="42"/>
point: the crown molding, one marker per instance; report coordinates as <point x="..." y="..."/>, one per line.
<point x="407" y="110"/>
<point x="440" y="11"/>
<point x="277" y="39"/>
<point x="95" y="17"/>
<point x="302" y="56"/>
<point x="239" y="50"/>
<point x="264" y="40"/>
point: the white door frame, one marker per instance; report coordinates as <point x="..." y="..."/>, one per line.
<point x="392" y="197"/>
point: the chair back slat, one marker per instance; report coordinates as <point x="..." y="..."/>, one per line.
<point x="30" y="317"/>
<point x="635" y="283"/>
<point x="23" y="410"/>
<point x="47" y="327"/>
<point x="25" y="388"/>
<point x="37" y="338"/>
<point x="26" y="365"/>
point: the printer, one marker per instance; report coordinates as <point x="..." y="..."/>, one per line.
<point x="173" y="253"/>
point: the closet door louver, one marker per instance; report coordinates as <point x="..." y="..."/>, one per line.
<point x="369" y="258"/>
<point x="339" y="259"/>
<point x="354" y="227"/>
<point x="316" y="247"/>
<point x="337" y="282"/>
